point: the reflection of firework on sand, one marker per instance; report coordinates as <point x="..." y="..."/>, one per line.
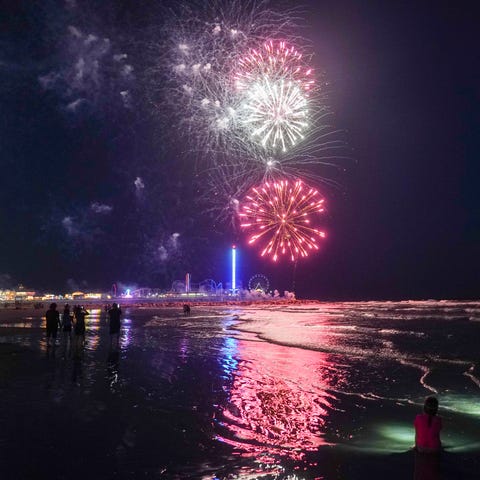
<point x="272" y="413"/>
<point x="278" y="217"/>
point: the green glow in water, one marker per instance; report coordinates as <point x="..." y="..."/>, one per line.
<point x="464" y="404"/>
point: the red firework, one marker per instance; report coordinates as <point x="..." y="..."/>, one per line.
<point x="276" y="61"/>
<point x="277" y="216"/>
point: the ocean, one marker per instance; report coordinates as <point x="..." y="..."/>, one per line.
<point x="302" y="391"/>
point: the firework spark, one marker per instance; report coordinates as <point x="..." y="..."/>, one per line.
<point x="274" y="84"/>
<point x="275" y="60"/>
<point x="276" y="113"/>
<point x="278" y="216"/>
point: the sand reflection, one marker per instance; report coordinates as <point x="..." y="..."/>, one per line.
<point x="279" y="401"/>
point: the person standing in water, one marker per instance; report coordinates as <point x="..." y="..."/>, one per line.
<point x="53" y="322"/>
<point x="427" y="428"/>
<point x="79" y="329"/>
<point x="114" y="315"/>
<point x="67" y="322"/>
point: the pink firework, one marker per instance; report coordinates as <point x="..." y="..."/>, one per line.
<point x="274" y="61"/>
<point x="277" y="215"/>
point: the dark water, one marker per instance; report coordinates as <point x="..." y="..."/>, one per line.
<point x="327" y="391"/>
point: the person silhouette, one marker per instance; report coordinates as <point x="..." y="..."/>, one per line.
<point x="67" y="321"/>
<point x="114" y="315"/>
<point x="79" y="328"/>
<point x="53" y="323"/>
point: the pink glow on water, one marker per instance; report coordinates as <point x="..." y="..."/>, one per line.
<point x="279" y="401"/>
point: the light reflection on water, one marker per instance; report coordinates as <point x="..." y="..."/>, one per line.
<point x="197" y="391"/>
<point x="278" y="401"/>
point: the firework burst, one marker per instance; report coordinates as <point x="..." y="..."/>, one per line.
<point x="276" y="113"/>
<point x="193" y="63"/>
<point x="237" y="81"/>
<point x="273" y="84"/>
<point x="233" y="88"/>
<point x="277" y="61"/>
<point x="278" y="217"/>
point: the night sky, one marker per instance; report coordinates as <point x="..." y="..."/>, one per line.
<point x="96" y="186"/>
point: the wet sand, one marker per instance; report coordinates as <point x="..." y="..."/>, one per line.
<point x="173" y="401"/>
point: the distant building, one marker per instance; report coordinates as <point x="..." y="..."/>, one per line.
<point x="78" y="295"/>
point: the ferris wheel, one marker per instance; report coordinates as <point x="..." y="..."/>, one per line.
<point x="259" y="282"/>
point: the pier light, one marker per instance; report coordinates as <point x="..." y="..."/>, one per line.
<point x="234" y="268"/>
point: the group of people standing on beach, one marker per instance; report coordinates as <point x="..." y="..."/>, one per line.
<point x="74" y="322"/>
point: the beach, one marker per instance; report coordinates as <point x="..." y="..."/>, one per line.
<point x="292" y="390"/>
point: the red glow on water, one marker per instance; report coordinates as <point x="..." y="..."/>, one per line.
<point x="279" y="401"/>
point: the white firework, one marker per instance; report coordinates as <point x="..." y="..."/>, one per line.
<point x="276" y="113"/>
<point x="195" y="62"/>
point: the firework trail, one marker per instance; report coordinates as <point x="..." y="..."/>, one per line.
<point x="278" y="217"/>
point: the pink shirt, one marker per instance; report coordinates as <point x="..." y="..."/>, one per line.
<point x="427" y="438"/>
